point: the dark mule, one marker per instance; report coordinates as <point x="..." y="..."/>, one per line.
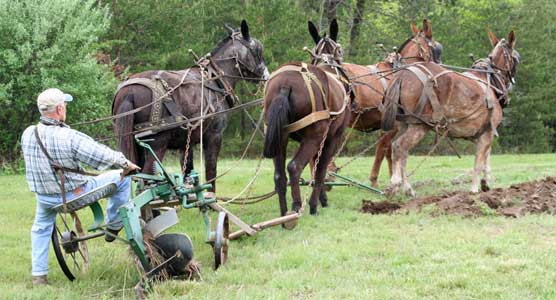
<point x="237" y="56"/>
<point x="370" y="83"/>
<point x="460" y="105"/>
<point x="309" y="105"/>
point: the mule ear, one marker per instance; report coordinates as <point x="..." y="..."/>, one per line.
<point x="493" y="39"/>
<point x="334" y="30"/>
<point x="427" y="28"/>
<point x="245" y="30"/>
<point x="511" y="39"/>
<point x="414" y="28"/>
<point x="228" y="28"/>
<point x="314" y="32"/>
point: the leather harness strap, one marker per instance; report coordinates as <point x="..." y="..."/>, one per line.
<point x="308" y="79"/>
<point x="308" y="120"/>
<point x="376" y="71"/>
<point x="428" y="94"/>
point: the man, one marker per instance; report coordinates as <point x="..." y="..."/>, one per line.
<point x="68" y="148"/>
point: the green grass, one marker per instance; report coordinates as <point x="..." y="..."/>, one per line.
<point x="339" y="254"/>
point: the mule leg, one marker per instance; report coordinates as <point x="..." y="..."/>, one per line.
<point x="281" y="181"/>
<point x="483" y="148"/>
<point x="319" y="189"/>
<point x="388" y="154"/>
<point x="487" y="178"/>
<point x="307" y="150"/>
<point x="383" y="149"/>
<point x="212" y="141"/>
<point x="416" y="134"/>
<point x="150" y="166"/>
<point x="407" y="139"/>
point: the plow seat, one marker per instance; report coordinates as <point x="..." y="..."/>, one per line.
<point x="88" y="198"/>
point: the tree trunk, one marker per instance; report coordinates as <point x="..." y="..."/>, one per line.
<point x="358" y="13"/>
<point x="328" y="13"/>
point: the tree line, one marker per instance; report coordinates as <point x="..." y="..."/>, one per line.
<point x="60" y="43"/>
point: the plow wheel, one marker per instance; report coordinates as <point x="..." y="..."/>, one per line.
<point x="221" y="240"/>
<point x="72" y="255"/>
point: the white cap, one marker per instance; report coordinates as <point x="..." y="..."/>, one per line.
<point x="52" y="97"/>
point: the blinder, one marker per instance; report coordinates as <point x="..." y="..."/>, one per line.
<point x="257" y="66"/>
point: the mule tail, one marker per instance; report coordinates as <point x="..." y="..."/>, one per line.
<point x="278" y="114"/>
<point x="391" y="102"/>
<point x="123" y="127"/>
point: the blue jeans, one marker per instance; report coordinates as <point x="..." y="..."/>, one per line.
<point x="45" y="216"/>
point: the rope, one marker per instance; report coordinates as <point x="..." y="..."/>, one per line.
<point x="248" y="186"/>
<point x="359" y="155"/>
<point x="251" y="139"/>
<point x="429" y="153"/>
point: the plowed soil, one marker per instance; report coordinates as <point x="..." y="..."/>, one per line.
<point x="517" y="200"/>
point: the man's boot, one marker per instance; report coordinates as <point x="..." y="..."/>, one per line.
<point x="40" y="280"/>
<point x="111" y="234"/>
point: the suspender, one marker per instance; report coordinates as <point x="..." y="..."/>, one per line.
<point x="59" y="169"/>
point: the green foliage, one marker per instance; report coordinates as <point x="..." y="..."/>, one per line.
<point x="50" y="44"/>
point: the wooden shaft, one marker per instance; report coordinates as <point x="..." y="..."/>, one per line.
<point x="262" y="225"/>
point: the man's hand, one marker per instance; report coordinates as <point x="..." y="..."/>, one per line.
<point x="131" y="168"/>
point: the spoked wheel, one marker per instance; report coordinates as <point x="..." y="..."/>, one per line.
<point x="72" y="254"/>
<point x="221" y="240"/>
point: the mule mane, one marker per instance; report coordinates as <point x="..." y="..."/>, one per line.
<point x="405" y="43"/>
<point x="220" y="45"/>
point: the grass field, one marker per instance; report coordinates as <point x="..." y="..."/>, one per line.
<point x="339" y="254"/>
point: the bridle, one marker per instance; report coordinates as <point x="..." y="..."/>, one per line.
<point x="434" y="49"/>
<point x="500" y="78"/>
<point x="511" y="59"/>
<point x="255" y="49"/>
<point x="333" y="57"/>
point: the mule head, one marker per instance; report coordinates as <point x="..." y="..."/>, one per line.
<point x="327" y="50"/>
<point x="421" y="46"/>
<point x="245" y="50"/>
<point x="504" y="58"/>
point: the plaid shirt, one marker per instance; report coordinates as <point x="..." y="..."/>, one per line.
<point x="68" y="148"/>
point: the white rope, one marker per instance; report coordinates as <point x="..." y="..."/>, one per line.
<point x="201" y="166"/>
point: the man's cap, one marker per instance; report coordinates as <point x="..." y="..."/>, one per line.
<point x="52" y="97"/>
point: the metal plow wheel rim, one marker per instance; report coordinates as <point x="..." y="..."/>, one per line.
<point x="71" y="263"/>
<point x="221" y="240"/>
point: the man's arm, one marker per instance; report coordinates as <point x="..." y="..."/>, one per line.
<point x="94" y="154"/>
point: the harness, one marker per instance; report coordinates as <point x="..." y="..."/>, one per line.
<point x="308" y="79"/>
<point x="428" y="95"/>
<point x="162" y="93"/>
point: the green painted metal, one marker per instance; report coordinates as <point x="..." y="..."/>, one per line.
<point x="357" y="183"/>
<point x="164" y="187"/>
<point x="131" y="216"/>
<point x="98" y="216"/>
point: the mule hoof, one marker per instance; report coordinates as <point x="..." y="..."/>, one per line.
<point x="374" y="182"/>
<point x="324" y="204"/>
<point x="392" y="190"/>
<point x="290" y="224"/>
<point x="410" y="192"/>
<point x="313" y="211"/>
<point x="484" y="186"/>
<point x="296" y="207"/>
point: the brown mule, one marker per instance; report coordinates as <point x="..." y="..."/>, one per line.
<point x="370" y="83"/>
<point x="460" y="105"/>
<point x="309" y="105"/>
